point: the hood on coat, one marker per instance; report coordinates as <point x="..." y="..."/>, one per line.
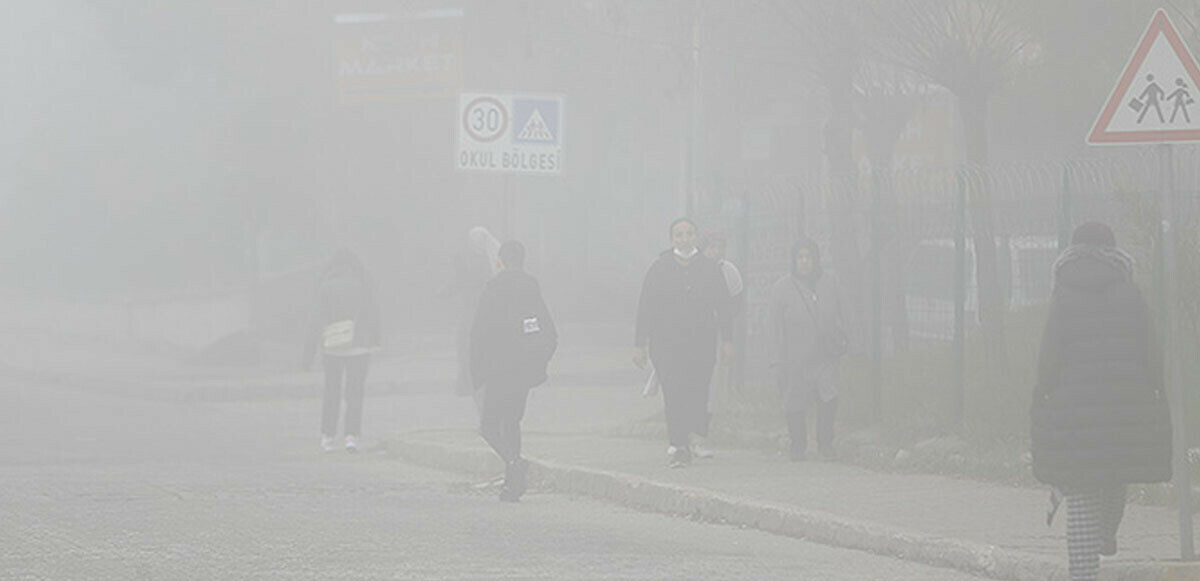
<point x="1092" y="268"/>
<point x="814" y="251"/>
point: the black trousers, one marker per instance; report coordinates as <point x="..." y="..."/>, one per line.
<point x="798" y="427"/>
<point x="354" y="371"/>
<point x="685" y="398"/>
<point x="500" y="419"/>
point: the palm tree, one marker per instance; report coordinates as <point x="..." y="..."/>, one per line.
<point x="889" y="98"/>
<point x="830" y="34"/>
<point x="973" y="48"/>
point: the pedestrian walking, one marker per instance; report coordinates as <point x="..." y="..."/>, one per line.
<point x="474" y="266"/>
<point x="1151" y="97"/>
<point x="713" y="244"/>
<point x="1099" y="415"/>
<point x="513" y="338"/>
<point x="1181" y="97"/>
<point x="684" y="306"/>
<point x="807" y="344"/>
<point x="345" y="325"/>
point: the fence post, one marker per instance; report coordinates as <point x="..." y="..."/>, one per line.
<point x="876" y="302"/>
<point x="960" y="296"/>
<point x="1064" y="210"/>
<point x="1168" y="208"/>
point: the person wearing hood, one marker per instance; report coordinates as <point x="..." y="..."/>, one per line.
<point x="1099" y="416"/>
<point x="345" y="325"/>
<point x="474" y="266"/>
<point x="807" y="343"/>
<point x="513" y="338"/>
<point x="683" y="307"/>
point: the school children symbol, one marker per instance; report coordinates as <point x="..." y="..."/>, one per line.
<point x="1153" y="95"/>
<point x="1154" y="98"/>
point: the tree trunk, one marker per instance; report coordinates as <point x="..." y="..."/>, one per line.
<point x="974" y="112"/>
<point x="843" y="177"/>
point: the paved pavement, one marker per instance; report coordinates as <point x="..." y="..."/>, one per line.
<point x="94" y="486"/>
<point x="994" y="530"/>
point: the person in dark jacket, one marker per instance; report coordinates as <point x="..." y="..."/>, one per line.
<point x="683" y="307"/>
<point x="1099" y="416"/>
<point x="346" y="327"/>
<point x="513" y="338"/>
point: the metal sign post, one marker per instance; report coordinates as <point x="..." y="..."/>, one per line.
<point x="1171" y="352"/>
<point x="1151" y="104"/>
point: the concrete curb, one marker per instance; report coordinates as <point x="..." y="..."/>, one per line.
<point x="792" y="521"/>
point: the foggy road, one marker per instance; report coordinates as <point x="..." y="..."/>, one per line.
<point x="130" y="489"/>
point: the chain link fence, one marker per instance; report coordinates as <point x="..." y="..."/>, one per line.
<point x="903" y="244"/>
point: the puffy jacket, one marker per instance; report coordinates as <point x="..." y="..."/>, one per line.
<point x="1099" y="415"/>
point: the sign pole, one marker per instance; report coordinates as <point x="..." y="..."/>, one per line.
<point x="1161" y="77"/>
<point x="510" y="209"/>
<point x="1174" y="385"/>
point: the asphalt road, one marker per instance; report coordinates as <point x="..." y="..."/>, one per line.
<point x="97" y="487"/>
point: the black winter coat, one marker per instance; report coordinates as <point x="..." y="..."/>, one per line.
<point x="681" y="310"/>
<point x="513" y="335"/>
<point x="1099" y="414"/>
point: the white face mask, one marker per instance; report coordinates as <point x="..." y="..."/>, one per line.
<point x="687" y="256"/>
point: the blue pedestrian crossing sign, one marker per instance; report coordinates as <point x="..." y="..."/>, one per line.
<point x="509" y="133"/>
<point x="537" y="120"/>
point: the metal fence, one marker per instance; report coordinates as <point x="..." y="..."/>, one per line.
<point x="897" y="239"/>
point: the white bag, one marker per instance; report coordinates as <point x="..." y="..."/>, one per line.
<point x="652" y="385"/>
<point x="338" y="335"/>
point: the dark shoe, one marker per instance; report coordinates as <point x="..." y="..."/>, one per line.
<point x="1109" y="547"/>
<point x="514" y="476"/>
<point x="508" y="495"/>
<point x="514" y="482"/>
<point x="680" y="457"/>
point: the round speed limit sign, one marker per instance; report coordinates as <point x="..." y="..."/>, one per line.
<point x="485" y="119"/>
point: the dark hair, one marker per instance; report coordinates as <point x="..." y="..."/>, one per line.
<point x="678" y="221"/>
<point x="814" y="252"/>
<point x="1095" y="234"/>
<point x="512" y="254"/>
<point x="345" y="259"/>
<point x="712" y="236"/>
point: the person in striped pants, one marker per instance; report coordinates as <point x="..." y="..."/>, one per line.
<point x="1099" y="418"/>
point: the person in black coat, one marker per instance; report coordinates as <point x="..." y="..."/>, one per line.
<point x="1099" y="415"/>
<point x="683" y="307"/>
<point x="513" y="338"/>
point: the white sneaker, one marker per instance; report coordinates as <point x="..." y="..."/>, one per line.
<point x="351" y="443"/>
<point x="701" y="452"/>
<point x="327" y="444"/>
<point x="671" y="450"/>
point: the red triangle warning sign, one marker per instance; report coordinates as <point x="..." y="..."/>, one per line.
<point x="1155" y="100"/>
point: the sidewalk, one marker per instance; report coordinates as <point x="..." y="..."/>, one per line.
<point x="980" y="528"/>
<point x="976" y="527"/>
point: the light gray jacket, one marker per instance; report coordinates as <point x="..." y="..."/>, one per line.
<point x="802" y="366"/>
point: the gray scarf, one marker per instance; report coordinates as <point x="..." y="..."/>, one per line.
<point x="1110" y="255"/>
